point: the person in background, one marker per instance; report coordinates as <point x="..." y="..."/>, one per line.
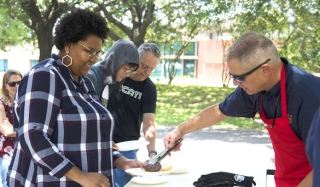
<point x="121" y="61"/>
<point x="134" y="104"/>
<point x="64" y="133"/>
<point x="10" y="82"/>
<point x="285" y="96"/>
<point x="313" y="148"/>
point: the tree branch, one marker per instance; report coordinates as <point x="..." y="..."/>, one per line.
<point x="31" y="9"/>
<point x="113" y="35"/>
<point x="117" y="23"/>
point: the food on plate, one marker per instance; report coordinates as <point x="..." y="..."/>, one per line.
<point x="151" y="168"/>
<point x="156" y="167"/>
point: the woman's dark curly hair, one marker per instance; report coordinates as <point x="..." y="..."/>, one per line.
<point x="78" y="25"/>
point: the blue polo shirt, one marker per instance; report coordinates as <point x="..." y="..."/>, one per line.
<point x="313" y="148"/>
<point x="303" y="99"/>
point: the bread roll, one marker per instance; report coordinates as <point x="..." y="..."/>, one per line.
<point x="166" y="167"/>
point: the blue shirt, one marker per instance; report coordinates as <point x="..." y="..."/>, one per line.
<point x="313" y="147"/>
<point x="303" y="99"/>
<point x="60" y="124"/>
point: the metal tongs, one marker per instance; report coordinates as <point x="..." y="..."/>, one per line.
<point x="163" y="154"/>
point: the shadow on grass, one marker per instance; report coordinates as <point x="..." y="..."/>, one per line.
<point x="225" y="135"/>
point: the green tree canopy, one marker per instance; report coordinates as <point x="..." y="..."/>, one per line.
<point x="39" y="17"/>
<point x="12" y="31"/>
<point x="291" y="24"/>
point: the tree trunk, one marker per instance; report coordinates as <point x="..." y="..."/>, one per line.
<point x="172" y="72"/>
<point x="42" y="20"/>
<point x="45" y="42"/>
<point x="225" y="75"/>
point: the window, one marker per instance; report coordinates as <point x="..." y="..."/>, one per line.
<point x="189" y="68"/>
<point x="190" y="49"/>
<point x="3" y="65"/>
<point x="158" y="71"/>
<point x="177" y="67"/>
<point x="33" y="62"/>
<point x="168" y="50"/>
<point x="165" y="49"/>
<point x="184" y="67"/>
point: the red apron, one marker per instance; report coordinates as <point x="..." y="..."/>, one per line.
<point x="292" y="164"/>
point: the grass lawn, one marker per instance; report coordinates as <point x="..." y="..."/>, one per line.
<point x="176" y="104"/>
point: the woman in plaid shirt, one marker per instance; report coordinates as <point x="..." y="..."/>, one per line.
<point x="64" y="133"/>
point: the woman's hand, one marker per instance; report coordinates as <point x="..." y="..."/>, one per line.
<point x="130" y="163"/>
<point x="6" y="128"/>
<point x="114" y="146"/>
<point x="125" y="163"/>
<point x="93" y="180"/>
<point x="87" y="179"/>
<point x="5" y="121"/>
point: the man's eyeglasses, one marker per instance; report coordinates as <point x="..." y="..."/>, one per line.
<point x="13" y="84"/>
<point x="240" y="78"/>
<point x="92" y="52"/>
<point x="260" y="122"/>
<point x="147" y="68"/>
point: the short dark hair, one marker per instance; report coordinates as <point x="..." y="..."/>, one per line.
<point x="78" y="25"/>
<point x="250" y="47"/>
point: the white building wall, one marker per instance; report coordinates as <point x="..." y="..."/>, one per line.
<point x="19" y="58"/>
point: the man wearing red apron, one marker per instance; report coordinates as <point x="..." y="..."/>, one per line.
<point x="290" y="170"/>
<point x="285" y="96"/>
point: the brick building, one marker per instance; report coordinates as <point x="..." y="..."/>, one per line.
<point x="202" y="65"/>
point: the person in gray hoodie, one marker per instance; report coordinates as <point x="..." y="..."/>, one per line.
<point x="121" y="61"/>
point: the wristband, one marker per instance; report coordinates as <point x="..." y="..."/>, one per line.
<point x="153" y="151"/>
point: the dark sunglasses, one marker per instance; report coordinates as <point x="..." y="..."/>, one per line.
<point x="13" y="84"/>
<point x="240" y="78"/>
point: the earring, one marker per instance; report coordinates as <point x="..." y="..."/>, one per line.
<point x="67" y="55"/>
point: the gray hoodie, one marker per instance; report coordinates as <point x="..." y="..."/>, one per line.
<point x="121" y="52"/>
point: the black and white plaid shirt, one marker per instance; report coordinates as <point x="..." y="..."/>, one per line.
<point x="59" y="124"/>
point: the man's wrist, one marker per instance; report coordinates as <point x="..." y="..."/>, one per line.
<point x="152" y="151"/>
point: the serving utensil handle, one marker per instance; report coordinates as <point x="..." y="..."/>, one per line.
<point x="169" y="150"/>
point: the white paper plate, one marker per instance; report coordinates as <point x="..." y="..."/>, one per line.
<point x="149" y="179"/>
<point x="141" y="172"/>
<point x="180" y="169"/>
<point x="131" y="145"/>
